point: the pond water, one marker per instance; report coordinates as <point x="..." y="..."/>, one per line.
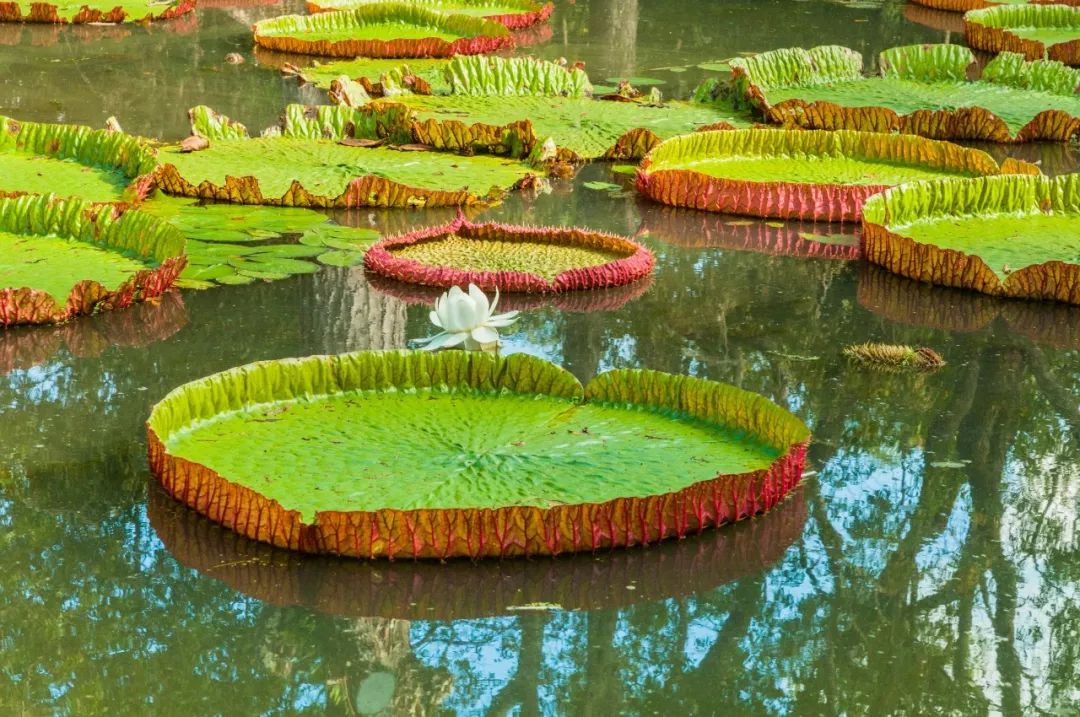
<point x="929" y="566"/>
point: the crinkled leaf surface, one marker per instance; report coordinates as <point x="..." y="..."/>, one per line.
<point x="585" y="126"/>
<point x="457" y="431"/>
<point x="38" y="174"/>
<point x="473" y="8"/>
<point x="54" y="264"/>
<point x="544" y="259"/>
<point x="326" y="168"/>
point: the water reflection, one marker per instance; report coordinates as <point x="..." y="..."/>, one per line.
<point x="931" y="567"/>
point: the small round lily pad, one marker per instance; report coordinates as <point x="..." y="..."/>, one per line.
<point x="1015" y="236"/>
<point x="383" y="30"/>
<point x="510" y="258"/>
<point x="62" y="257"/>
<point x="818" y="175"/>
<point x="420" y="455"/>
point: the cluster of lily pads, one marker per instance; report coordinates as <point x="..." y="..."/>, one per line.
<point x="421" y="114"/>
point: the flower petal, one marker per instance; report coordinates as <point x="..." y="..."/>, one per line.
<point x="480" y="303"/>
<point x="445" y="340"/>
<point x="434" y="316"/>
<point x="485" y="334"/>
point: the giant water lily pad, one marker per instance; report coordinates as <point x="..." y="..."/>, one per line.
<point x="63" y="257"/>
<point x="414" y="590"/>
<point x="83" y="11"/>
<point x="72" y="160"/>
<point x="1035" y="31"/>
<point x="799" y="175"/>
<point x="510" y="258"/>
<point x="382" y="30"/>
<point x="511" y="106"/>
<point x="514" y="14"/>
<point x="967" y="5"/>
<point x="1007" y="236"/>
<point x="921" y="89"/>
<point x="308" y="165"/>
<point x="412" y="454"/>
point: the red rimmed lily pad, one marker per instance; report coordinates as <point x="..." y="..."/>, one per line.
<point x="73" y="160"/>
<point x="1015" y="236"/>
<point x="921" y="89"/>
<point x="97" y="11"/>
<point x="510" y="258"/>
<point x="514" y="14"/>
<point x="62" y="257"/>
<point x="383" y="30"/>
<point x="419" y="455"/>
<point x="816" y="175"/>
<point x="1035" y="31"/>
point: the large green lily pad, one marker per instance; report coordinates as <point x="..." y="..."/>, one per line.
<point x="63" y="257"/>
<point x="1036" y="31"/>
<point x="921" y="89"/>
<point x="799" y="175"/>
<point x="82" y="11"/>
<point x="467" y="453"/>
<point x="510" y="106"/>
<point x="1008" y="236"/>
<point x="514" y="14"/>
<point x="382" y="30"/>
<point x="72" y="160"/>
<point x="308" y="165"/>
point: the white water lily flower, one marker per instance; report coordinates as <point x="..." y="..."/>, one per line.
<point x="466" y="318"/>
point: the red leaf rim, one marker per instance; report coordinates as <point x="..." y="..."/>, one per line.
<point x="636" y="265"/>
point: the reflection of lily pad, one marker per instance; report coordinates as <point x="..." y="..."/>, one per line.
<point x="510" y="258"/>
<point x="1035" y="31"/>
<point x="60" y="258"/>
<point x="799" y="175"/>
<point x="922" y="89"/>
<point x="382" y="30"/>
<point x="308" y="166"/>
<point x="83" y="11"/>
<point x="139" y="325"/>
<point x="1006" y="236"/>
<point x="514" y="14"/>
<point x="71" y="160"/>
<point x="437" y="591"/>
<point x="547" y="470"/>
